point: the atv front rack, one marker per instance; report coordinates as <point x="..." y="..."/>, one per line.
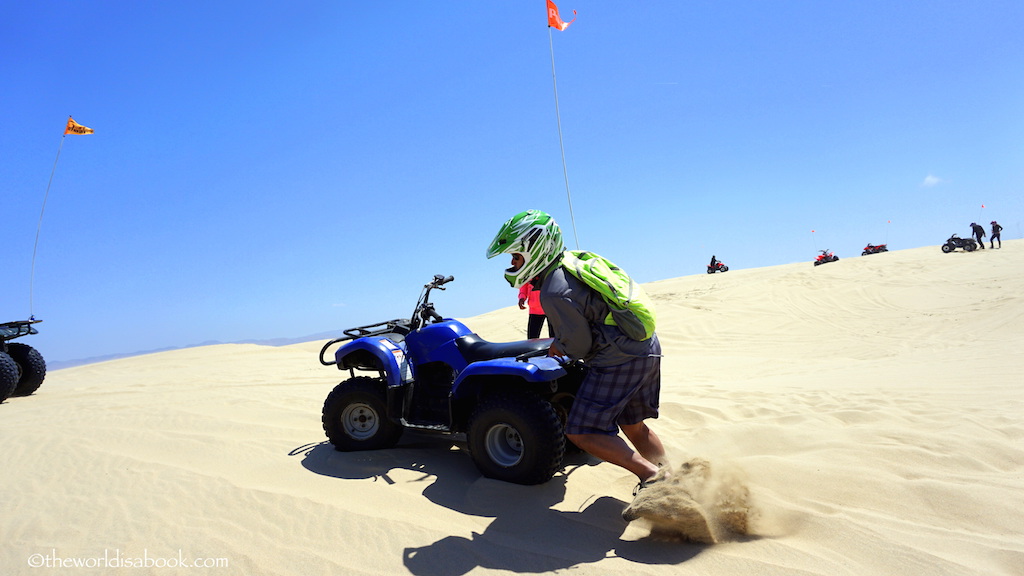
<point x="396" y="329"/>
<point x="18" y="328"/>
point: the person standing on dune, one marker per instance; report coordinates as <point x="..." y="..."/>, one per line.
<point x="528" y="297"/>
<point x="996" y="229"/>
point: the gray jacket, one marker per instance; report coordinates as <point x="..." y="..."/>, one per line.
<point x="576" y="314"/>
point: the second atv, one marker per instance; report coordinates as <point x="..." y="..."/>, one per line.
<point x="22" y="367"/>
<point x="825" y="257"/>
<point x="955" y="241"/>
<point x="873" y="249"/>
<point x="434" y="374"/>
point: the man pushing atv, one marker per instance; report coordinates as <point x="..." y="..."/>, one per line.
<point x="622" y="386"/>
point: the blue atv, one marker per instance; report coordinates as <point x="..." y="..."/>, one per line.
<point x="509" y="400"/>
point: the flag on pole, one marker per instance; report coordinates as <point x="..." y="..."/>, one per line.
<point x="554" y="20"/>
<point x="76" y="128"/>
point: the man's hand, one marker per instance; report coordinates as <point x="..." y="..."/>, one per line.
<point x="522" y="303"/>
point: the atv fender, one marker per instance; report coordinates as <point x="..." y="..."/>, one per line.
<point x="534" y="370"/>
<point x="377" y="354"/>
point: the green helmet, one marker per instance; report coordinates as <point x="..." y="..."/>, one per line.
<point x="536" y="236"/>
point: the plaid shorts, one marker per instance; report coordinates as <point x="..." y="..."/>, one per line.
<point x="613" y="395"/>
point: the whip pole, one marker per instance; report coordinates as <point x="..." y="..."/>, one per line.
<point x="39" y="226"/>
<point x="561" y="145"/>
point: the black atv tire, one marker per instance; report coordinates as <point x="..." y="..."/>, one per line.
<point x="8" y="375"/>
<point x="355" y="416"/>
<point x="865" y="253"/>
<point x="947" y="248"/>
<point x="33" y="368"/>
<point x="970" y="246"/>
<point x="725" y="268"/>
<point x="516" y="437"/>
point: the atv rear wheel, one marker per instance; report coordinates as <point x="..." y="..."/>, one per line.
<point x="8" y="375"/>
<point x="970" y="246"/>
<point x="33" y="368"/>
<point x="355" y="416"/>
<point x="516" y="437"/>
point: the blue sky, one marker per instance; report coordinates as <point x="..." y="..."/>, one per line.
<point x="279" y="169"/>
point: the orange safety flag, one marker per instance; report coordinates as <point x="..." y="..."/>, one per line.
<point x="76" y="128"/>
<point x="554" y="20"/>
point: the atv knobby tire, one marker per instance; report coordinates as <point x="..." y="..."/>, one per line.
<point x="947" y="248"/>
<point x="33" y="368"/>
<point x="516" y="437"/>
<point x="8" y="375"/>
<point x="355" y="416"/>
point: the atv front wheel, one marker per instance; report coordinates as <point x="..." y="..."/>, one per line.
<point x="516" y="437"/>
<point x="947" y="248"/>
<point x="8" y="375"/>
<point x="355" y="416"/>
<point x="33" y="368"/>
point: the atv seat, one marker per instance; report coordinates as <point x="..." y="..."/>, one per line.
<point x="476" y="349"/>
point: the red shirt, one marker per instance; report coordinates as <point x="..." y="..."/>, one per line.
<point x="532" y="296"/>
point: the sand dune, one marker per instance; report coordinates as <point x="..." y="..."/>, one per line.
<point x="870" y="409"/>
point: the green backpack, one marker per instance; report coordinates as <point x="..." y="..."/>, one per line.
<point x="630" y="306"/>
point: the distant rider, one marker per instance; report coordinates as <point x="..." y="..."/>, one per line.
<point x="996" y="229"/>
<point x="979" y="234"/>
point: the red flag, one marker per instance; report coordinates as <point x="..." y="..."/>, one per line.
<point x="982" y="205"/>
<point x="76" y="128"/>
<point x="554" y="20"/>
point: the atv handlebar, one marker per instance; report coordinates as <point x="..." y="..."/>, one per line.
<point x="439" y="281"/>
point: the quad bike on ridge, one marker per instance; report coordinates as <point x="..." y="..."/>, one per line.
<point x="717" y="265"/>
<point x="872" y="249"/>
<point x="22" y="367"/>
<point x="825" y="257"/>
<point x="434" y="374"/>
<point x="955" y="241"/>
